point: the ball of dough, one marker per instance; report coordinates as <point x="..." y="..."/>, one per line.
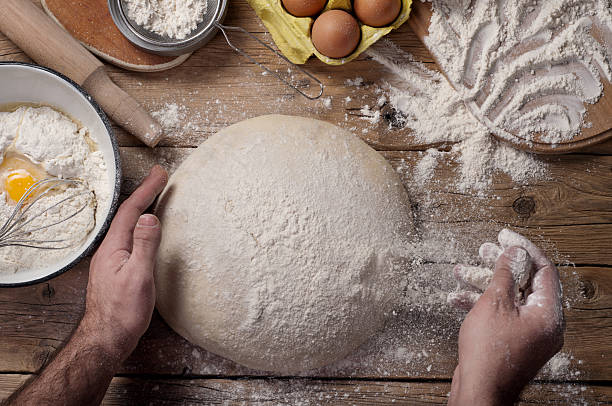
<point x="277" y="244"/>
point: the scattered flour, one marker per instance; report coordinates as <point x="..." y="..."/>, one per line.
<point x="172" y="18"/>
<point x="171" y="116"/>
<point x="358" y="81"/>
<point x="526" y="68"/>
<point x="424" y="170"/>
<point x="561" y="367"/>
<point x="371" y="116"/>
<point x="327" y="102"/>
<point x="176" y="119"/>
<point x="435" y="113"/>
<point x="54" y="142"/>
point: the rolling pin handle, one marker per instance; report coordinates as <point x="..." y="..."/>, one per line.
<point x="122" y="108"/>
<point x="49" y="45"/>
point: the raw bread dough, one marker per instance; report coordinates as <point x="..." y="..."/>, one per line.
<point x="277" y="241"/>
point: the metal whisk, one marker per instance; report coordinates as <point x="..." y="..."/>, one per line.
<point x="15" y="231"/>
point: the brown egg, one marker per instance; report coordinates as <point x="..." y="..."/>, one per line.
<point x="304" y="8"/>
<point x="377" y="13"/>
<point x="336" y="33"/>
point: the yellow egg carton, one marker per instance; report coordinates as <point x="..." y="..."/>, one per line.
<point x="292" y="34"/>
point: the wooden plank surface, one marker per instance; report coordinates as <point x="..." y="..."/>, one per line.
<point x="45" y="315"/>
<point x="570" y="214"/>
<point x="306" y="392"/>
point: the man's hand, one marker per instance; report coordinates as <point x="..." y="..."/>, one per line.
<point x="121" y="291"/>
<point x="505" y="339"/>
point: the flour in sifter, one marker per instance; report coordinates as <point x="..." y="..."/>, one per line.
<point x="172" y="18"/>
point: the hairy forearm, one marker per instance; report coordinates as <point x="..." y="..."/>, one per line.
<point x="78" y="375"/>
<point x="479" y="392"/>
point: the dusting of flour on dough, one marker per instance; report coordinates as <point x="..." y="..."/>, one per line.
<point x="282" y="265"/>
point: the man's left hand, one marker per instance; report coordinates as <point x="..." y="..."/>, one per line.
<point x="121" y="290"/>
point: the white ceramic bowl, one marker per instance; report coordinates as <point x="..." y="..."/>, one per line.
<point x="26" y="83"/>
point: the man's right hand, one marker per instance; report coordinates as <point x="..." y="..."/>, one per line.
<point x="504" y="342"/>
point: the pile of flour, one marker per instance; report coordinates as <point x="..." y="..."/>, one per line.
<point x="52" y="140"/>
<point x="435" y="113"/>
<point x="525" y="67"/>
<point x="171" y="116"/>
<point x="172" y="18"/>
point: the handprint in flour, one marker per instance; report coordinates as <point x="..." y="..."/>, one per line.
<point x="525" y="68"/>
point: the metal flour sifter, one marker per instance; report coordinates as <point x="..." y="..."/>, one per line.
<point x="205" y="31"/>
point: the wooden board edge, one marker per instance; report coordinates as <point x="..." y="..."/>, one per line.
<point x="117" y="62"/>
<point x="422" y="12"/>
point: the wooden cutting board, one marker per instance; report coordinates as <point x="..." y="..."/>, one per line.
<point x="599" y="114"/>
<point x="90" y="23"/>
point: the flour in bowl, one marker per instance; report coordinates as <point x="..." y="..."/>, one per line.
<point x="39" y="143"/>
<point x="171" y="18"/>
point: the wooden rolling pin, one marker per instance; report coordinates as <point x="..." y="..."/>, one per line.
<point x="49" y="45"/>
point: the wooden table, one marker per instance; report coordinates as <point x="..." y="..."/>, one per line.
<point x="571" y="213"/>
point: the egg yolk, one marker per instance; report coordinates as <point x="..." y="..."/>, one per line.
<point x="17" y="174"/>
<point x="17" y="183"/>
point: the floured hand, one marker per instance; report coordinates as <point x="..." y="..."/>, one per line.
<point x="514" y="327"/>
<point x="473" y="280"/>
